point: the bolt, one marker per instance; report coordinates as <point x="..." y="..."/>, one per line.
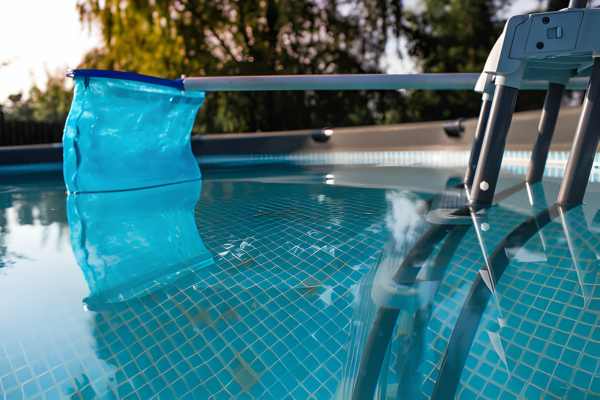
<point x="484" y="186"/>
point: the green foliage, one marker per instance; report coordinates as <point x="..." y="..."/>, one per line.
<point x="456" y="36"/>
<point x="50" y="104"/>
<point x="244" y="37"/>
<point x="53" y="102"/>
<point x="451" y="36"/>
<point x="229" y="37"/>
<point x="17" y="108"/>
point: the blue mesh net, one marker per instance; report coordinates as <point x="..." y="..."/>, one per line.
<point x="125" y="134"/>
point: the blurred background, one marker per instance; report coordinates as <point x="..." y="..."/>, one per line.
<point x="41" y="40"/>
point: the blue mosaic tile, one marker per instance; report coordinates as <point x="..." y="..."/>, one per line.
<point x="554" y="348"/>
<point x="282" y="311"/>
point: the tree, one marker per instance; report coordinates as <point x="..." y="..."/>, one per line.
<point x="451" y="36"/>
<point x="230" y="37"/>
<point x="49" y="104"/>
<point x="52" y="103"/>
<point x="456" y="36"/>
<point x="3" y="63"/>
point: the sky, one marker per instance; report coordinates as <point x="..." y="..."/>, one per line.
<point x="39" y="35"/>
<point x="46" y="35"/>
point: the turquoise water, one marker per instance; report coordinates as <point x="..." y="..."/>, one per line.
<point x="267" y="281"/>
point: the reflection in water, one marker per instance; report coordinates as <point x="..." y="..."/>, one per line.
<point x="431" y="349"/>
<point x="268" y="319"/>
<point x="404" y="219"/>
<point x="42" y="206"/>
<point x="4" y="204"/>
<point x="584" y="251"/>
<point x="519" y="326"/>
<point x="135" y="248"/>
<point x="398" y="293"/>
<point x="300" y="271"/>
<point x="129" y="243"/>
<point x="547" y="341"/>
<point x="405" y="222"/>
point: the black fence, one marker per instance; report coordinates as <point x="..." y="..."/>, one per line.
<point x="17" y="133"/>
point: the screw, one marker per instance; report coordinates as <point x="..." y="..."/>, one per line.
<point x="539" y="45"/>
<point x="484" y="186"/>
<point x="545" y="20"/>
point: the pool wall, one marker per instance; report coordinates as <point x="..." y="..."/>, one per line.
<point x="402" y="137"/>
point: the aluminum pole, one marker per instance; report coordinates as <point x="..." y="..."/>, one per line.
<point x="494" y="142"/>
<point x="585" y="144"/>
<point x="539" y="155"/>
<point x="450" y="81"/>
<point x="484" y="113"/>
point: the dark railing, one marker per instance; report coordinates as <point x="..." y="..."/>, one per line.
<point x="16" y="133"/>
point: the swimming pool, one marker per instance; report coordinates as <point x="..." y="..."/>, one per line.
<point x="265" y="280"/>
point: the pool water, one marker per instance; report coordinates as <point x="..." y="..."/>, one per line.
<point x="266" y="281"/>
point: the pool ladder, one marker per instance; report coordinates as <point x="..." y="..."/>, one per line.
<point x="550" y="46"/>
<point x="553" y="47"/>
